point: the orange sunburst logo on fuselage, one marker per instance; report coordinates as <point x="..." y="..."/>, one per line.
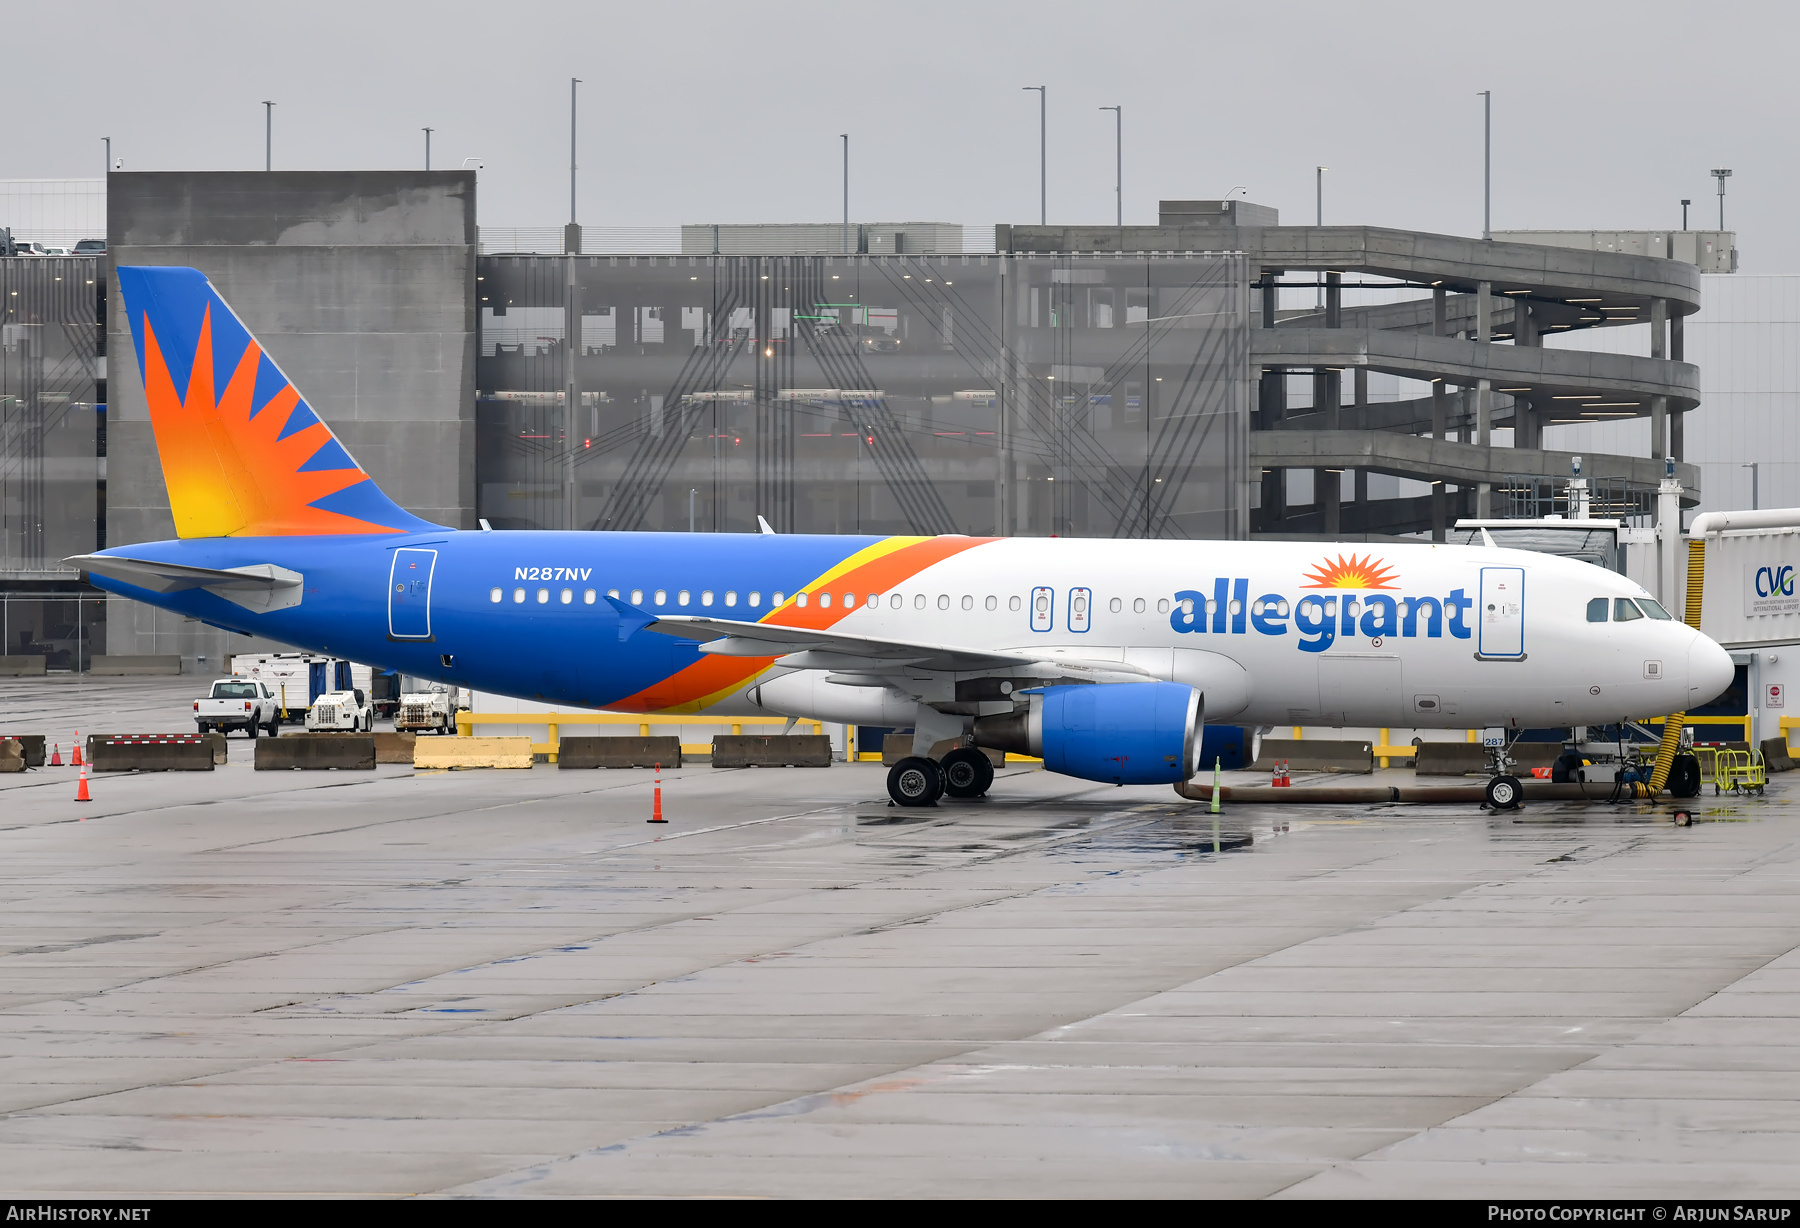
<point x="1366" y="572"/>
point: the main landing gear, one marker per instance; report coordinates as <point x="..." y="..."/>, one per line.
<point x="916" y="781"/>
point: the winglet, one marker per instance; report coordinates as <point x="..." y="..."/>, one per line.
<point x="631" y="619"/>
<point x="1488" y="540"/>
<point x="764" y="526"/>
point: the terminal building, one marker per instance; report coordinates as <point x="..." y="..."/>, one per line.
<point x="1218" y="375"/>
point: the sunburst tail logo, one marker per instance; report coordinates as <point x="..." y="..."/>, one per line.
<point x="243" y="455"/>
<point x="1367" y="572"/>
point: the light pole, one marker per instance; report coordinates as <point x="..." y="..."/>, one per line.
<point x="1043" y="152"/>
<point x="1119" y="160"/>
<point x="268" y="135"/>
<point x="1755" y="494"/>
<point x="1721" y="176"/>
<point x="428" y="132"/>
<point x="1487" y="164"/>
<point x="573" y="82"/>
<point x="1684" y="209"/>
<point x="845" y="137"/>
<point x="108" y="141"/>
<point x="1319" y="216"/>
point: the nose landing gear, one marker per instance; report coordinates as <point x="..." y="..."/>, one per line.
<point x="1503" y="793"/>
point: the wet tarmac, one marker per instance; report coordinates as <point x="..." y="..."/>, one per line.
<point x="507" y="983"/>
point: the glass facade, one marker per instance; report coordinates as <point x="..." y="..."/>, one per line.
<point x="1095" y="396"/>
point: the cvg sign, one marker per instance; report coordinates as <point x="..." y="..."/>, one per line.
<point x="1770" y="590"/>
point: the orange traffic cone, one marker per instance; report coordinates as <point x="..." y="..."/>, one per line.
<point x="656" y="815"/>
<point x="56" y="754"/>
<point x="76" y="759"/>
<point x="81" y="792"/>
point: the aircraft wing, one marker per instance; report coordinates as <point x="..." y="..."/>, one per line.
<point x="849" y="655"/>
<point x="260" y="586"/>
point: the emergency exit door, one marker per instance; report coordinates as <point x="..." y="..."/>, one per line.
<point x="1500" y="615"/>
<point x="409" y="594"/>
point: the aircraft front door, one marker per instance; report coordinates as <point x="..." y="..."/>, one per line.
<point x="409" y="594"/>
<point x="1500" y="618"/>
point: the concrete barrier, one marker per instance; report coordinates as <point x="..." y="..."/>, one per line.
<point x="149" y="752"/>
<point x="316" y="752"/>
<point x="1775" y="755"/>
<point x="221" y="753"/>
<point x="772" y="750"/>
<point x="1316" y="755"/>
<point x="21" y="667"/>
<point x="31" y="745"/>
<point x="472" y="753"/>
<point x="121" y="666"/>
<point x="12" y="755"/>
<point x="1471" y="758"/>
<point x="618" y="752"/>
<point x="898" y="746"/>
<point x="394" y="747"/>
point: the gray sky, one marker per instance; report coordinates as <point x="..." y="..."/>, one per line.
<point x="1605" y="113"/>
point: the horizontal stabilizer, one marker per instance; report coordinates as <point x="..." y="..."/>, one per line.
<point x="261" y="587"/>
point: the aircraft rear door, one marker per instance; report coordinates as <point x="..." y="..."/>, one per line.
<point x="409" y="594"/>
<point x="1500" y="616"/>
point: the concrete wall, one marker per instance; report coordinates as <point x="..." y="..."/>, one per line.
<point x="361" y="284"/>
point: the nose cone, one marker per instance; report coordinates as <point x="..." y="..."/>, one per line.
<point x="1710" y="672"/>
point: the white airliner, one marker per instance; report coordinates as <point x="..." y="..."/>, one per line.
<point x="1102" y="657"/>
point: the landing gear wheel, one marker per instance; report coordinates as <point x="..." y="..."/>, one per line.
<point x="967" y="773"/>
<point x="915" y="782"/>
<point x="1504" y="793"/>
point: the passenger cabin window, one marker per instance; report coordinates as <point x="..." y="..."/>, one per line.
<point x="587" y="596"/>
<point x="494" y="595"/>
<point x="1012" y="603"/>
<point x="1597" y="610"/>
<point x="568" y="595"/>
<point x="1654" y="609"/>
<point x="895" y="601"/>
<point x="1625" y="609"/>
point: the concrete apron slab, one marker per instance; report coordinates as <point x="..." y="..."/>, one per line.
<point x="1060" y="991"/>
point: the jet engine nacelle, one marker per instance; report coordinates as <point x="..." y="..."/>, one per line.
<point x="1129" y="733"/>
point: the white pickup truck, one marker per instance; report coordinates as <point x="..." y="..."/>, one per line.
<point x="349" y="711"/>
<point x="239" y="703"/>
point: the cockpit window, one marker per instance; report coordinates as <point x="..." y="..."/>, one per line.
<point x="1654" y="609"/>
<point x="1597" y="610"/>
<point x="1625" y="609"/>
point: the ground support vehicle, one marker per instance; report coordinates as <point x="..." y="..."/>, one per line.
<point x="345" y="711"/>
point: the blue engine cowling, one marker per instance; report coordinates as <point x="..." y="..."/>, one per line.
<point x="1129" y="733"/>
